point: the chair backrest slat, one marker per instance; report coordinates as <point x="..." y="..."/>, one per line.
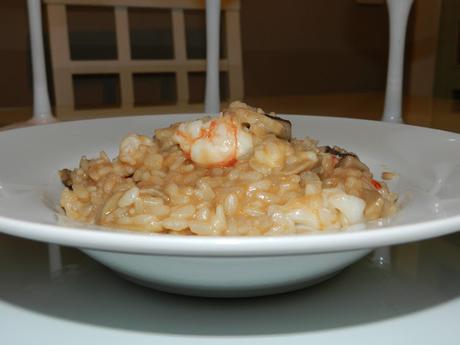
<point x="64" y="68"/>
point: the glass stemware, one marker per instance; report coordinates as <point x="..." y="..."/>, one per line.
<point x="398" y="12"/>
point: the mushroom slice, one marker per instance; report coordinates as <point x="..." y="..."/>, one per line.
<point x="337" y="151"/>
<point x="66" y="177"/>
<point x="259" y="122"/>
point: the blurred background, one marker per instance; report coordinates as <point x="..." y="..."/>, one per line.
<point x="295" y="56"/>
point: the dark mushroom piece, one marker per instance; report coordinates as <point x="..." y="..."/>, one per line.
<point x="66" y="178"/>
<point x="283" y="126"/>
<point x="251" y="117"/>
<point x="337" y="151"/>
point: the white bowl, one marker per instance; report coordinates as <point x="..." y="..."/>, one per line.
<point x="427" y="161"/>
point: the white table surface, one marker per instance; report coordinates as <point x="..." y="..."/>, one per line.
<point x="412" y="297"/>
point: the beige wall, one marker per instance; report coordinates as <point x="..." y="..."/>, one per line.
<point x="289" y="47"/>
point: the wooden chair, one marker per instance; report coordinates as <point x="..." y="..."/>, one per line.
<point x="64" y="68"/>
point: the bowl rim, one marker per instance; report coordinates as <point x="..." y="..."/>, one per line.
<point x="163" y="244"/>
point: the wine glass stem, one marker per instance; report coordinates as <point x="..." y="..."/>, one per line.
<point x="212" y="94"/>
<point x="398" y="12"/>
<point x="41" y="103"/>
<point x="54" y="258"/>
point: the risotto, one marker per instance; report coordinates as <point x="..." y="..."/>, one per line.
<point x="237" y="174"/>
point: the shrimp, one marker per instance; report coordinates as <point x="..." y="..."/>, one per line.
<point x="217" y="142"/>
